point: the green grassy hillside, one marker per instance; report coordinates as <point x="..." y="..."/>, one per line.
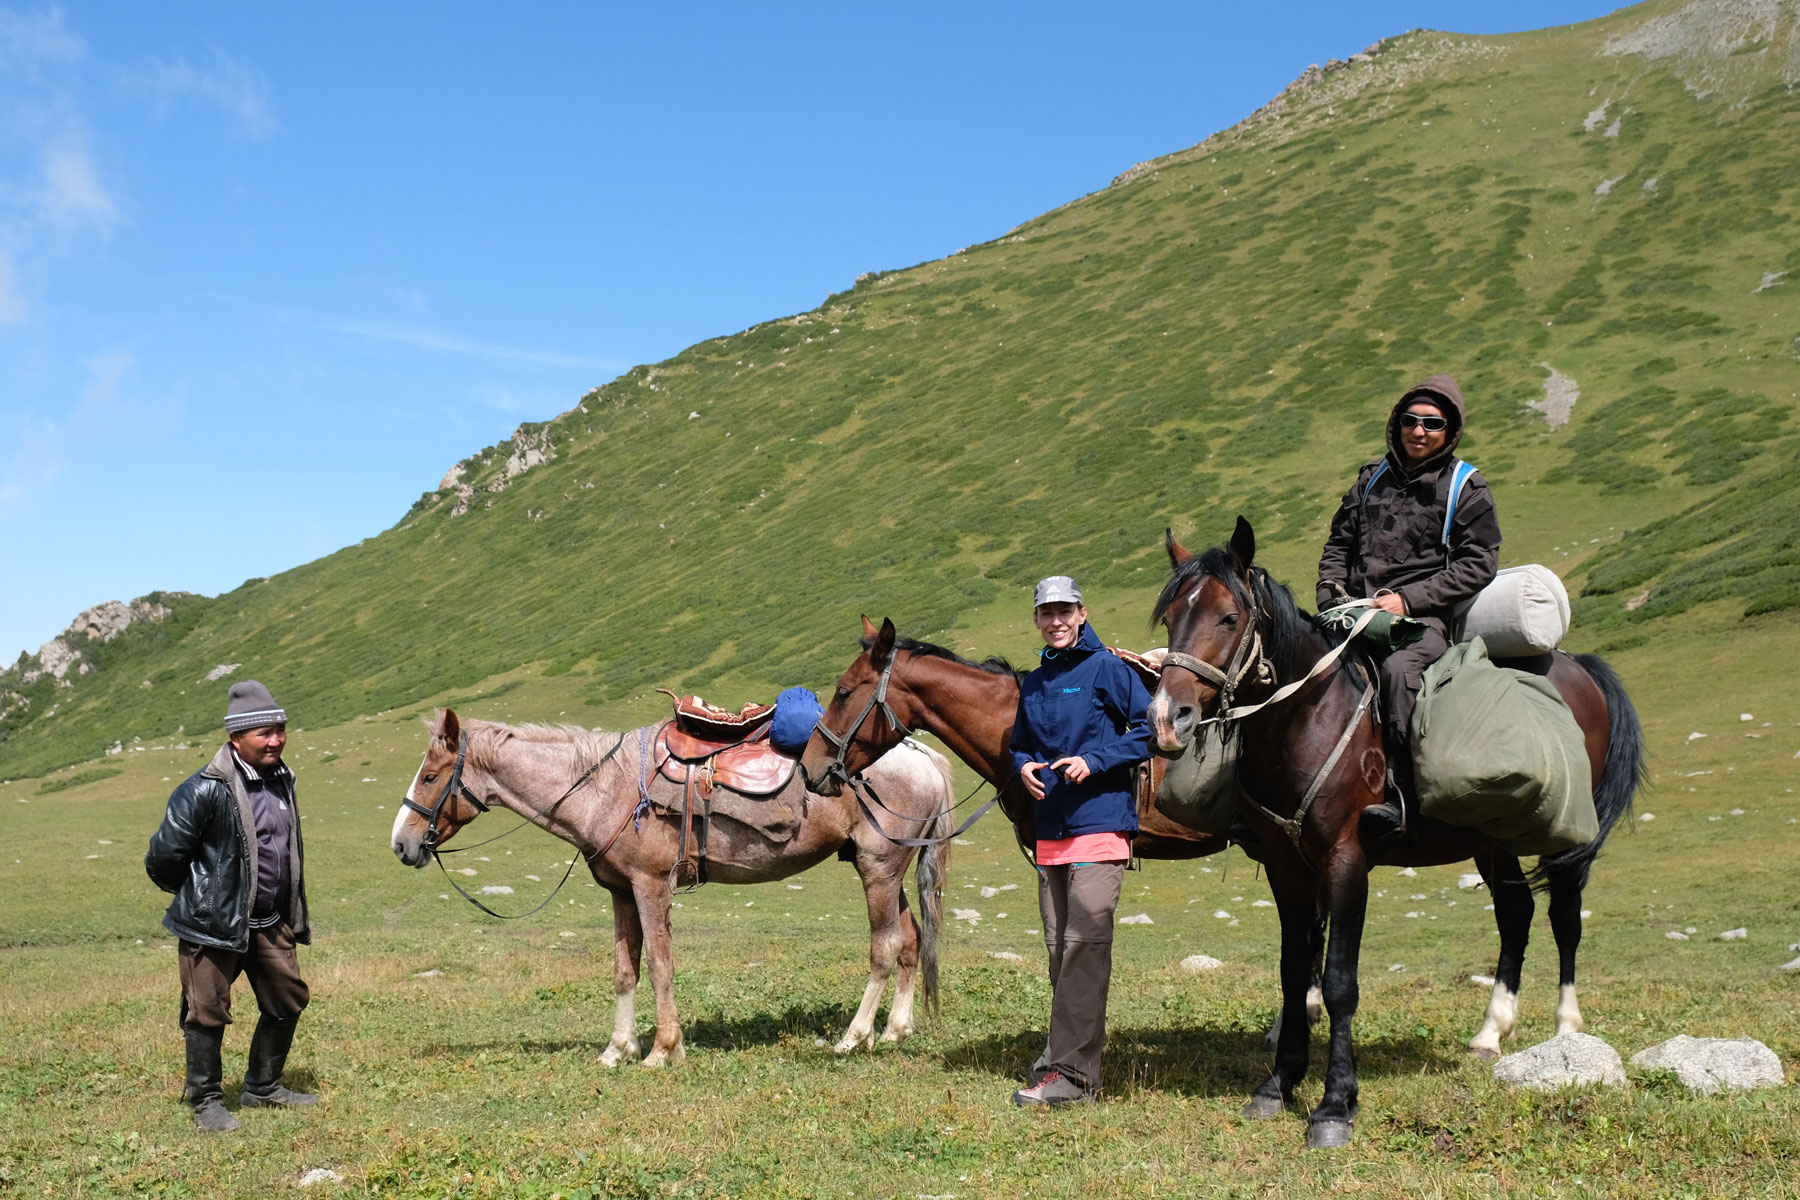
<point x="1609" y="207"/>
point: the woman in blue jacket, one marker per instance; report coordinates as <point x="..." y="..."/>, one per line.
<point x="1082" y="727"/>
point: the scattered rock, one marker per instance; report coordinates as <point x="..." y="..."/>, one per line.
<point x="1139" y="919"/>
<point x="1206" y="962"/>
<point x="1708" y="1065"/>
<point x="1746" y="716"/>
<point x="1568" y="1059"/>
<point x="1769" y="280"/>
<point x="1482" y="980"/>
<point x="221" y="671"/>
<point x="1646" y="816"/>
<point x="494" y="889"/>
<point x="1734" y="935"/>
<point x="964" y="914"/>
<point x="1396" y="967"/>
<point x="1406" y="873"/>
<point x="1593" y="119"/>
<point x="431" y="974"/>
<point x="320" y="1175"/>
<point x="1675" y="935"/>
<point x="1222" y="915"/>
<point x="1262" y="904"/>
<point x="1605" y="186"/>
<point x="1471" y="880"/>
<point x="1008" y="956"/>
<point x="1792" y="966"/>
<point x="464" y="871"/>
<point x="988" y="893"/>
<point x="1695" y="736"/>
<point x="1558" y="400"/>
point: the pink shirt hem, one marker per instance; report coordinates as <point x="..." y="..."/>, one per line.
<point x="1084" y="847"/>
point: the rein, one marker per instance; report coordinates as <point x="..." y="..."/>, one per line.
<point x="455" y="784"/>
<point x="865" y="792"/>
<point x="1248" y="657"/>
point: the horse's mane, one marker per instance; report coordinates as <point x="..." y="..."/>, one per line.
<point x="586" y="746"/>
<point x="1289" y="625"/>
<point x="993" y="666"/>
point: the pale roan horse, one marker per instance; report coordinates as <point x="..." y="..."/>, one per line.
<point x="531" y="770"/>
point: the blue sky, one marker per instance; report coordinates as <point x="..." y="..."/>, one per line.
<point x="267" y="271"/>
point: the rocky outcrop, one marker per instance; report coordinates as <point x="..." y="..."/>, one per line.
<point x="1727" y="48"/>
<point x="1566" y="1060"/>
<point x="529" y="450"/>
<point x="1708" y="1065"/>
<point x="101" y="623"/>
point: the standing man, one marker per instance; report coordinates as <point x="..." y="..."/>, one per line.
<point x="1417" y="534"/>
<point x="229" y="850"/>
<point x="1082" y="727"/>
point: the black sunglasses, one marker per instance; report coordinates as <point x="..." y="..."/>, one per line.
<point x="1428" y="424"/>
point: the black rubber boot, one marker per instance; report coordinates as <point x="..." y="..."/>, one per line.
<point x="268" y="1055"/>
<point x="1387" y="820"/>
<point x="204" y="1073"/>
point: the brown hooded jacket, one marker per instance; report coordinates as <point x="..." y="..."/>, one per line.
<point x="1392" y="539"/>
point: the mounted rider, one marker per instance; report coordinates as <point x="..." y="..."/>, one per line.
<point x="1417" y="534"/>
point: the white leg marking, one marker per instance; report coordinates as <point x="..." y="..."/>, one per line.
<point x="661" y="1058"/>
<point x="862" y="1028"/>
<point x="624" y="1044"/>
<point x="1502" y="1015"/>
<point x="1315" y="1004"/>
<point x="1568" y="1012"/>
<point x="900" y="1017"/>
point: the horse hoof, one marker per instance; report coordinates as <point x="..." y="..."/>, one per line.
<point x="852" y="1042"/>
<point x="1327" y="1135"/>
<point x="1261" y="1108"/>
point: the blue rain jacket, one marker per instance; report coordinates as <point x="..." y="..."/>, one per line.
<point x="1083" y="701"/>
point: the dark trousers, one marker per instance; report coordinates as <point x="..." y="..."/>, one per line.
<point x="272" y="964"/>
<point x="1078" y="902"/>
<point x="1403" y="674"/>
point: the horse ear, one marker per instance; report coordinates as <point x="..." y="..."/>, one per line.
<point x="869" y="629"/>
<point x="1178" y="553"/>
<point x="449" y="728"/>
<point x="883" y="649"/>
<point x="1243" y="546"/>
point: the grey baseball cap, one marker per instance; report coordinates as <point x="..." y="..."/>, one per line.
<point x="1056" y="589"/>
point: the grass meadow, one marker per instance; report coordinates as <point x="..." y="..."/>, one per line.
<point x="480" y="1081"/>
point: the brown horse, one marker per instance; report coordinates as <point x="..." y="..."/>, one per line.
<point x="1312" y="760"/>
<point x="585" y="788"/>
<point x="969" y="707"/>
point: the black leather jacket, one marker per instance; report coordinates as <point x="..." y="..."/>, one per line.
<point x="205" y="853"/>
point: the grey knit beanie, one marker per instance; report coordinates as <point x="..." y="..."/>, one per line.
<point x="251" y="707"/>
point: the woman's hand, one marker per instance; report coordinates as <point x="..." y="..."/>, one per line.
<point x="1033" y="784"/>
<point x="1073" y="768"/>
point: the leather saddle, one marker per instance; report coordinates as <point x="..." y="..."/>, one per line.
<point x="715" y="747"/>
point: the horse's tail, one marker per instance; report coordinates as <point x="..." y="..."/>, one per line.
<point x="1627" y="770"/>
<point x="934" y="865"/>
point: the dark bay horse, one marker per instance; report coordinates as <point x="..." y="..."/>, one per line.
<point x="585" y="788"/>
<point x="1312" y="761"/>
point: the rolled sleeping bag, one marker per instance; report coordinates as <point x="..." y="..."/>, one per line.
<point x="1524" y="612"/>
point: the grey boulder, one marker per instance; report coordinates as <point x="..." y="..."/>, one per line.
<point x="1568" y="1059"/>
<point x="1708" y="1065"/>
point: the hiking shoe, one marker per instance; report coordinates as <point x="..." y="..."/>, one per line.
<point x="1053" y="1091"/>
<point x="276" y="1097"/>
<point x="212" y="1117"/>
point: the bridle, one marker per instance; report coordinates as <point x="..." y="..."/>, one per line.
<point x="1247" y="660"/>
<point x="454" y="786"/>
<point x="840" y="761"/>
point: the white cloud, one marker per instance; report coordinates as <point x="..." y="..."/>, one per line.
<point x="12" y="305"/>
<point x="72" y="193"/>
<point x="235" y="87"/>
<point x="29" y="38"/>
<point x="42" y="449"/>
<point x="421" y="337"/>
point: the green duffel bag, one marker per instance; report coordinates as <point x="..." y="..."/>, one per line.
<point x="1200" y="787"/>
<point x="1497" y="750"/>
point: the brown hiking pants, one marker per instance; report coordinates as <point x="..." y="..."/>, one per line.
<point x="271" y="962"/>
<point x="1078" y="902"/>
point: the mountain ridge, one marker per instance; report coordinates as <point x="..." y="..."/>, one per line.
<point x="1219" y="330"/>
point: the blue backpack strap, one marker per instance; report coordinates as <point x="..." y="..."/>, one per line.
<point x="1459" y="475"/>
<point x="1380" y="470"/>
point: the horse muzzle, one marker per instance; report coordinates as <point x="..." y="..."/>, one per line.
<point x="1172" y="721"/>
